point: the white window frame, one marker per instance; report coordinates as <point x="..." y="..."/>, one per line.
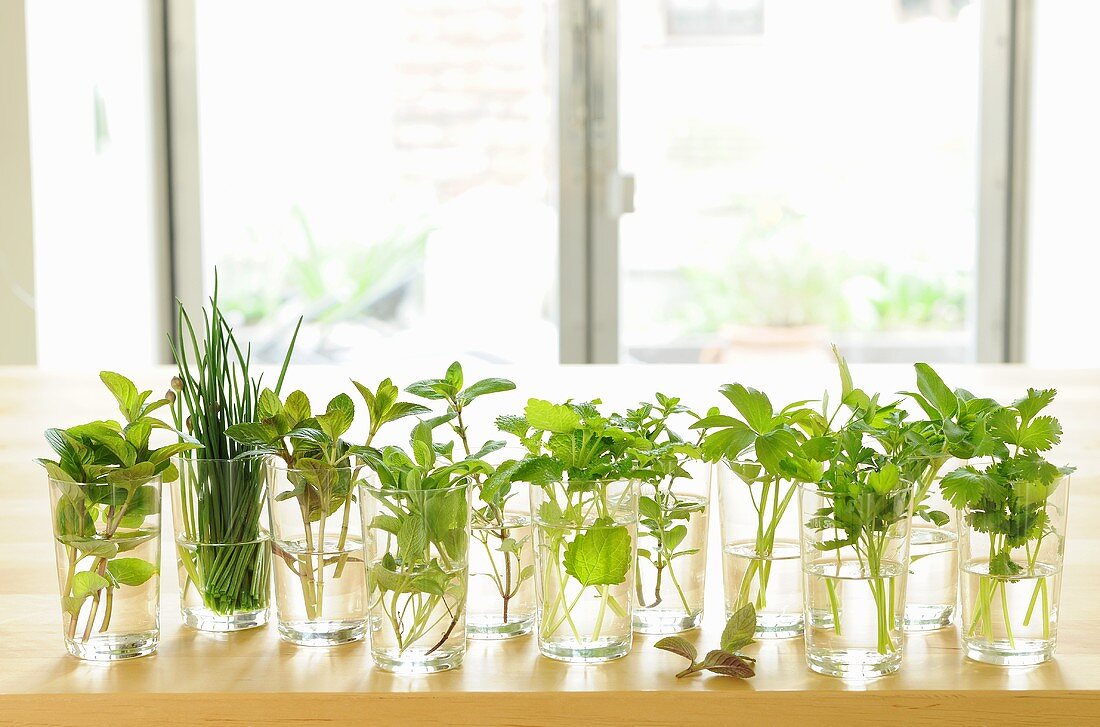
<point x="593" y="192"/>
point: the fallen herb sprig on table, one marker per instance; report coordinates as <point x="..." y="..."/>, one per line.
<point x="726" y="660"/>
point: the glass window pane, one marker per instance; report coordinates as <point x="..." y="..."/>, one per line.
<point x="387" y="169"/>
<point x="806" y="172"/>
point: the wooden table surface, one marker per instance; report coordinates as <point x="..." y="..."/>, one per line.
<point x="254" y="678"/>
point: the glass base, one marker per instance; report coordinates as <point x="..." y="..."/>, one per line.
<point x="665" y="622"/>
<point x="392" y="660"/>
<point x="114" y="647"/>
<point x="204" y="619"/>
<point x="853" y="663"/>
<point x="777" y="625"/>
<point x="485" y="627"/>
<point x="595" y="652"/>
<point x="928" y="617"/>
<point x="1026" y="652"/>
<point x="323" y="633"/>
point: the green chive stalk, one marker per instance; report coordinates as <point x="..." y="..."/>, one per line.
<point x="222" y="497"/>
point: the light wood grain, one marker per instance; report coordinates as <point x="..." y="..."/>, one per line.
<point x="253" y="678"/>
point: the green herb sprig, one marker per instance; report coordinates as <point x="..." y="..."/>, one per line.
<point x="103" y="469"/>
<point x="727" y="660"/>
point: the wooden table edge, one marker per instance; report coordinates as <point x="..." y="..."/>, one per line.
<point x="719" y="706"/>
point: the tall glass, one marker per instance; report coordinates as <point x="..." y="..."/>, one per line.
<point x="416" y="549"/>
<point x="1011" y="586"/>
<point x="760" y="553"/>
<point x="585" y="549"/>
<point x="317" y="544"/>
<point x="672" y="551"/>
<point x="107" y="543"/>
<point x="501" y="599"/>
<point x="933" y="583"/>
<point x="854" y="583"/>
<point x="223" y="549"/>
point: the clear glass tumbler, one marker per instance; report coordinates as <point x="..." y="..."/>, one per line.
<point x="672" y="551"/>
<point x="107" y="543"/>
<point x="585" y="550"/>
<point x="932" y="590"/>
<point x="223" y="548"/>
<point x="760" y="552"/>
<point x="417" y="546"/>
<point x="854" y="583"/>
<point x="501" y="600"/>
<point x="1011" y="582"/>
<point x="317" y="544"/>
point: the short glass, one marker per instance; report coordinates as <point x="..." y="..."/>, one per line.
<point x="672" y="551"/>
<point x="760" y="552"/>
<point x="107" y="543"/>
<point x="501" y="599"/>
<point x="416" y="549"/>
<point x="854" y="594"/>
<point x="1010" y="592"/>
<point x="585" y="549"/>
<point x="317" y="544"/>
<point x="223" y="549"/>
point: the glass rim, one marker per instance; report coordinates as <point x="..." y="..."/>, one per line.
<point x="365" y="484"/>
<point x="158" y="478"/>
<point x="595" y="480"/>
<point x="277" y="464"/>
<point x="227" y="460"/>
<point x="812" y="487"/>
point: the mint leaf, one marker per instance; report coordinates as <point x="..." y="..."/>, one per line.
<point x="599" y="556"/>
<point x="485" y="386"/>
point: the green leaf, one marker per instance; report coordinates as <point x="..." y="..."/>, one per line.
<point x="885" y="480"/>
<point x="649" y="508"/>
<point x="338" y="417"/>
<point x="485" y="386"/>
<point x="739" y="629"/>
<point x="433" y="389"/>
<point x="453" y="377"/>
<point x="845" y="375"/>
<point x="935" y="391"/>
<point x="268" y="405"/>
<point x="93" y="546"/>
<point x="164" y="453"/>
<point x="1035" y="401"/>
<point x="729" y="443"/>
<point x="124" y="391"/>
<point x="1040" y="434"/>
<point x="54" y="470"/>
<point x="753" y="405"/>
<point x="412" y="538"/>
<point x="678" y="645"/>
<point x="773" y="447"/>
<point x="599" y="556"/>
<point x="131" y="571"/>
<point x="556" y="418"/>
<point x="386" y="522"/>
<point x="297" y="408"/>
<point x="716" y="420"/>
<point x="965" y="486"/>
<point x="85" y="583"/>
<point x="128" y="477"/>
<point x="252" y="433"/>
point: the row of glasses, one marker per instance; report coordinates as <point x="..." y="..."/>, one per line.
<point x="419" y="572"/>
